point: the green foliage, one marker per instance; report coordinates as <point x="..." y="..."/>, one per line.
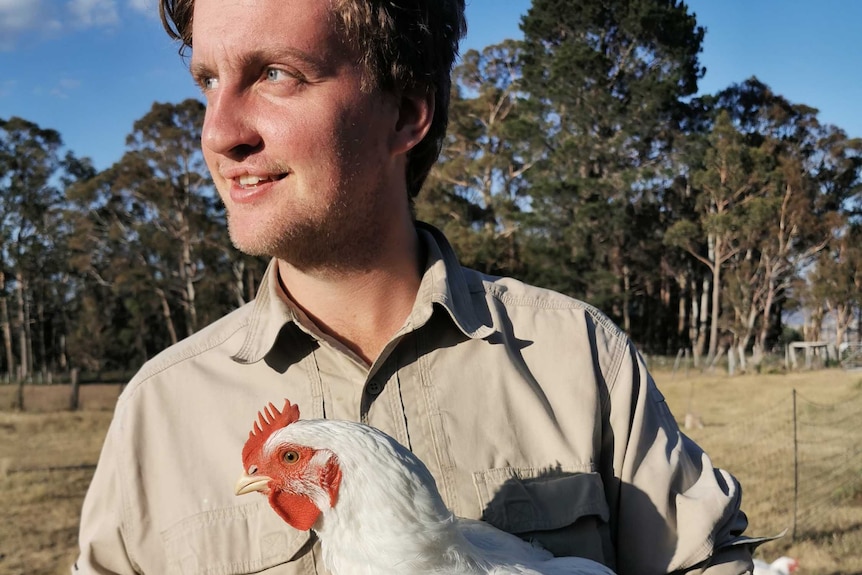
<point x="34" y="244"/>
<point x="608" y="80"/>
<point x="576" y="159"/>
<point x="477" y="193"/>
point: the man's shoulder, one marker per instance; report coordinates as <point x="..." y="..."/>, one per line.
<point x="223" y="336"/>
<point x="511" y="292"/>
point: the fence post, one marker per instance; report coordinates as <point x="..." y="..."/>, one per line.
<point x="73" y="396"/>
<point x="795" y="470"/>
<point x="19" y="394"/>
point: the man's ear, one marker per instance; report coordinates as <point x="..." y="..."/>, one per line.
<point x="415" y="115"/>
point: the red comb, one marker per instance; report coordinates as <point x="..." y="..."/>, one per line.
<point x="268" y="421"/>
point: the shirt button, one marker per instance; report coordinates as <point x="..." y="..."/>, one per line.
<point x="374" y="388"/>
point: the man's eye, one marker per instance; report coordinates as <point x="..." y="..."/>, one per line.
<point x="279" y="75"/>
<point x="209" y="83"/>
<point x="274" y="74"/>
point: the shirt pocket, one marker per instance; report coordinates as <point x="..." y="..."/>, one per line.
<point x="566" y="513"/>
<point x="232" y="541"/>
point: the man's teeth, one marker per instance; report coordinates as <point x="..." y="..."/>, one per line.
<point x="252" y="180"/>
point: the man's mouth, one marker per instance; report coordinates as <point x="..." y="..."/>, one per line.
<point x="248" y="180"/>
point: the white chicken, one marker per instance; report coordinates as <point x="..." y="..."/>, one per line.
<point x="375" y="506"/>
<point x="781" y="566"/>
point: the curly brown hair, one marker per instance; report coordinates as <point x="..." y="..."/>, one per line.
<point x="405" y="46"/>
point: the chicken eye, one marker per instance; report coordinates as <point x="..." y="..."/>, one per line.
<point x="291" y="457"/>
<point x="252" y="470"/>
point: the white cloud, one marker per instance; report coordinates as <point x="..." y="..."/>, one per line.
<point x="89" y="13"/>
<point x="64" y="86"/>
<point x="17" y="16"/>
<point x="143" y="6"/>
<point x="34" y="20"/>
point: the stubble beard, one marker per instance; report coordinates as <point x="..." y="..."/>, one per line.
<point x="341" y="240"/>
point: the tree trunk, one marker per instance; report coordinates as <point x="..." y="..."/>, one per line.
<point x="716" y="299"/>
<point x="192" y="306"/>
<point x="843" y="321"/>
<point x="627" y="320"/>
<point x="238" y="268"/>
<point x="766" y="316"/>
<point x="188" y="276"/>
<point x="23" y="361"/>
<point x="814" y="325"/>
<point x="681" y="319"/>
<point x="166" y="313"/>
<point x="141" y="346"/>
<point x="28" y="332"/>
<point x="64" y="361"/>
<point x="731" y="360"/>
<point x="250" y="283"/>
<point x="693" y="331"/>
<point x="703" y="319"/>
<point x="7" y="328"/>
<point x="43" y="346"/>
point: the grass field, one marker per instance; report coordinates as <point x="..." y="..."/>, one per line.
<point x="47" y="456"/>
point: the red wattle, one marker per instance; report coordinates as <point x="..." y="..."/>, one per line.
<point x="297" y="510"/>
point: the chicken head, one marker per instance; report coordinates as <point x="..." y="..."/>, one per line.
<point x="299" y="481"/>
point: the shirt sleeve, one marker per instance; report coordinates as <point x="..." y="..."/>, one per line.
<point x="672" y="511"/>
<point x="102" y="547"/>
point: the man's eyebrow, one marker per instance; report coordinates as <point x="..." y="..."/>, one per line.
<point x="199" y="71"/>
<point x="311" y="64"/>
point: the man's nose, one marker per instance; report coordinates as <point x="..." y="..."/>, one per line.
<point x="229" y="126"/>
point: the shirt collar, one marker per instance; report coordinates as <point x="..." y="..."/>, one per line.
<point x="443" y="283"/>
<point x="270" y="313"/>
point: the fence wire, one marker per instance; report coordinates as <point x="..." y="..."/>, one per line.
<point x="799" y="462"/>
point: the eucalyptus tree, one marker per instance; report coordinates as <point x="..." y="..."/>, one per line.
<point x="610" y="77"/>
<point x="173" y="191"/>
<point x="151" y="237"/>
<point x="769" y="186"/>
<point x="115" y="310"/>
<point x="34" y="168"/>
<point x="733" y="174"/>
<point x="477" y="191"/>
<point x="836" y="280"/>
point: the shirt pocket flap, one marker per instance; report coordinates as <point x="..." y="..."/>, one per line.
<point x="231" y="541"/>
<point x="518" y="502"/>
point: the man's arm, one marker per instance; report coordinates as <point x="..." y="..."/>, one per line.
<point x="102" y="548"/>
<point x="672" y="511"/>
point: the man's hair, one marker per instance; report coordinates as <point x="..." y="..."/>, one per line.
<point x="405" y="47"/>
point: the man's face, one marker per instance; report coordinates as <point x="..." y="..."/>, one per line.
<point x="302" y="158"/>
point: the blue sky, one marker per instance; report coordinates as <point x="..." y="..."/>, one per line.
<point x="90" y="68"/>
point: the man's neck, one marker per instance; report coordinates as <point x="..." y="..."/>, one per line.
<point x="362" y="309"/>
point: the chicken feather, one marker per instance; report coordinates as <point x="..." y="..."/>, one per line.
<point x="375" y="506"/>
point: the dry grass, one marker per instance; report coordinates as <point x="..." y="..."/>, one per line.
<point x="47" y="456"/>
<point x="748" y="430"/>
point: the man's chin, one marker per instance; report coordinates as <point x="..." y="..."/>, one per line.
<point x="307" y="249"/>
<point x="251" y="244"/>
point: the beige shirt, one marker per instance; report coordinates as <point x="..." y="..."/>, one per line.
<point x="531" y="409"/>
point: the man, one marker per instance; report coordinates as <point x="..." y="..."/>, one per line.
<point x="531" y="409"/>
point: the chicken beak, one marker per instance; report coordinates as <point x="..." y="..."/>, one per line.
<point x="248" y="483"/>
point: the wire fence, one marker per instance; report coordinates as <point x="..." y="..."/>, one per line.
<point x="800" y="465"/>
<point x="850" y="355"/>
